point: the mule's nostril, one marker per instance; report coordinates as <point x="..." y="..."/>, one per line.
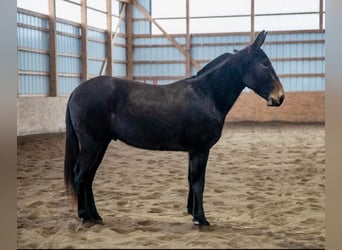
<point x="275" y="101"/>
<point x="281" y="99"/>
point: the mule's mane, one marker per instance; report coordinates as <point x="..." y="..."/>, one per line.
<point x="214" y="63"/>
<point x="217" y="63"/>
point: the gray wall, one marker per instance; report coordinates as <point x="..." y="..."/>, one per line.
<point x="37" y="115"/>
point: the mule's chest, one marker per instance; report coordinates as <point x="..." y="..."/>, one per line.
<point x="205" y="131"/>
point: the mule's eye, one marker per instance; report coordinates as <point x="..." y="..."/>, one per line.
<point x="266" y="64"/>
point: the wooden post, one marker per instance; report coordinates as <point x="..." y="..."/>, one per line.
<point x="170" y="38"/>
<point x="188" y="41"/>
<point x="129" y="41"/>
<point x="113" y="38"/>
<point x="320" y="15"/>
<point x="109" y="39"/>
<point x="52" y="48"/>
<point x="84" y="41"/>
<point x="252" y="20"/>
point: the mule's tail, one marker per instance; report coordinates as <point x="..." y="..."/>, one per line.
<point x="71" y="153"/>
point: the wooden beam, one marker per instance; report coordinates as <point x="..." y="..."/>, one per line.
<point x="313" y="75"/>
<point x="113" y="37"/>
<point x="52" y="49"/>
<point x="160" y="62"/>
<point x="84" y="41"/>
<point x="173" y="78"/>
<point x="252" y="20"/>
<point x="285" y="59"/>
<point x="159" y="78"/>
<point x="188" y="40"/>
<point x="129" y="41"/>
<point x="33" y="73"/>
<point x="170" y="38"/>
<point x="232" y="44"/>
<point x="109" y="39"/>
<point x="320" y="14"/>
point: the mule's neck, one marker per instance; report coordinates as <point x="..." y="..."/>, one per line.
<point x="225" y="83"/>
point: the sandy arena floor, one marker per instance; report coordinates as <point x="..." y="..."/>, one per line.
<point x="265" y="188"/>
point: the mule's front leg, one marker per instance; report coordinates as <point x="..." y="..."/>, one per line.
<point x="197" y="165"/>
<point x="191" y="200"/>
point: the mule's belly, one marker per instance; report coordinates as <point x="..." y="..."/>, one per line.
<point x="170" y="133"/>
<point x="153" y="134"/>
<point x="154" y="145"/>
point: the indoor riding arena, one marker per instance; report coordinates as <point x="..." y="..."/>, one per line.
<point x="265" y="176"/>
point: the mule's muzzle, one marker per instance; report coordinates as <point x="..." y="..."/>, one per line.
<point x="276" y="98"/>
<point x="275" y="102"/>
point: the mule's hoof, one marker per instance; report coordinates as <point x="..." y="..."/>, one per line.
<point x="99" y="221"/>
<point x="92" y="222"/>
<point x="205" y="225"/>
<point x="196" y="222"/>
<point x="200" y="224"/>
<point x="88" y="223"/>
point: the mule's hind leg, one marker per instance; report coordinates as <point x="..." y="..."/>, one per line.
<point x="87" y="163"/>
<point x="191" y="198"/>
<point x="89" y="190"/>
<point x="81" y="171"/>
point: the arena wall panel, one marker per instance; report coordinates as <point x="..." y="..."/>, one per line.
<point x="36" y="115"/>
<point x="47" y="114"/>
<point x="308" y="106"/>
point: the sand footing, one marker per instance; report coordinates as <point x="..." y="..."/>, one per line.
<point x="265" y="188"/>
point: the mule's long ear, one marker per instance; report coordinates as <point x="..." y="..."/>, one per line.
<point x="259" y="40"/>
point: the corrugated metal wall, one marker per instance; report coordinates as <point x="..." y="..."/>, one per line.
<point x="298" y="57"/>
<point x="33" y="54"/>
<point x="155" y="58"/>
<point x="96" y="51"/>
<point x="119" y="56"/>
<point x="68" y="56"/>
<point x="141" y="26"/>
<point x="206" y="48"/>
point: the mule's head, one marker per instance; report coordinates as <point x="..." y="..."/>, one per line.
<point x="259" y="74"/>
